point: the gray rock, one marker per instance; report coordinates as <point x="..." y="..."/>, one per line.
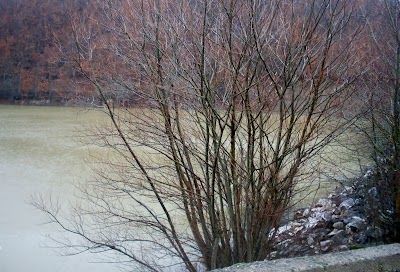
<point x="338" y="225"/>
<point x="298" y="214"/>
<point x="296" y="249"/>
<point x="346" y="220"/>
<point x="356" y="224"/>
<point x="317" y="210"/>
<point x="336" y="211"/>
<point x="343" y="248"/>
<point x="335" y="232"/>
<point x="350" y="213"/>
<point x="348" y="189"/>
<point x="350" y="230"/>
<point x="374" y="232"/>
<point x="362" y="238"/>
<point x="310" y="240"/>
<point x="338" y="237"/>
<point x="313" y="235"/>
<point x="312" y="222"/>
<point x="338" y="199"/>
<point x="325" y="245"/>
<point x="273" y="254"/>
<point x="285" y="243"/>
<point x="347" y="204"/>
<point x="324" y="202"/>
<point x="327" y="217"/>
<point x="350" y="240"/>
<point x="373" y="192"/>
<point x="332" y="225"/>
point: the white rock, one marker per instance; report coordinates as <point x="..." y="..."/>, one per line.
<point x="306" y="212"/>
<point x="282" y="229"/>
<point x="343" y="248"/>
<point x="312" y="222"/>
<point x="273" y="254"/>
<point x="368" y="174"/>
<point x="335" y="232"/>
<point x="297" y="229"/>
<point x="348" y="189"/>
<point x="295" y="224"/>
<point x="326" y="244"/>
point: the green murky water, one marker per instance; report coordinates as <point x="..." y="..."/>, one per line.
<point x="40" y="152"/>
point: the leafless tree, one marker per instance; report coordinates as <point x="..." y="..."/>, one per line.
<point x="237" y="97"/>
<point x="382" y="130"/>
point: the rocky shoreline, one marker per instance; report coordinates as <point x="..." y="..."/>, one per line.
<point x="336" y="223"/>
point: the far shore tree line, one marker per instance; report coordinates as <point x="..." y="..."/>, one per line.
<point x="235" y="103"/>
<point x="33" y="68"/>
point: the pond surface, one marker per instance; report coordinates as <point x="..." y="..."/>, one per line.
<point x="39" y="154"/>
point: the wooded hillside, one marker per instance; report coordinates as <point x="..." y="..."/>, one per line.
<point x="32" y="66"/>
<point x="38" y="51"/>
